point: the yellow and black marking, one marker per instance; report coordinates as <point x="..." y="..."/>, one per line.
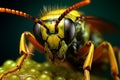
<point x="68" y="38"/>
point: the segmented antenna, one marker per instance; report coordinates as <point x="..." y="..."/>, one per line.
<point x="23" y="14"/>
<point x="73" y="7"/>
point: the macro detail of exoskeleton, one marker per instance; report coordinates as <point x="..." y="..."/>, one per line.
<point x="68" y="38"/>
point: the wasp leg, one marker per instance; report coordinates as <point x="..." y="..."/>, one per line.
<point x="117" y="51"/>
<point x="31" y="38"/>
<point x="31" y="49"/>
<point x="111" y="55"/>
<point x="24" y="50"/>
<point x="88" y="61"/>
<point x="119" y="60"/>
<point x="20" y="61"/>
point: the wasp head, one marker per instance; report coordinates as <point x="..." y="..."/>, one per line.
<point x="58" y="32"/>
<point x="55" y="38"/>
<point x="55" y="42"/>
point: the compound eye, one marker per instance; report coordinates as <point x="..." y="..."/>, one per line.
<point x="69" y="30"/>
<point x="37" y="33"/>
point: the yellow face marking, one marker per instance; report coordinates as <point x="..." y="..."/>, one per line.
<point x="50" y="26"/>
<point x="44" y="33"/>
<point x="49" y="18"/>
<point x="61" y="29"/>
<point x="53" y="41"/>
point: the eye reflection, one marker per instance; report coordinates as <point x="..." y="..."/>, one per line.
<point x="69" y="30"/>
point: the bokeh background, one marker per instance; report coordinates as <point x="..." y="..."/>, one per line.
<point x="11" y="26"/>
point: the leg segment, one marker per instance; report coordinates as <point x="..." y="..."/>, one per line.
<point x="18" y="67"/>
<point x="89" y="49"/>
<point x="117" y="51"/>
<point x="31" y="38"/>
<point x="111" y="55"/>
<point x="24" y="50"/>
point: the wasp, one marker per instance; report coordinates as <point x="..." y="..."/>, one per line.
<point x="68" y="38"/>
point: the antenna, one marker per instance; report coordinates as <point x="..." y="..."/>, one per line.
<point x="68" y="10"/>
<point x="22" y="14"/>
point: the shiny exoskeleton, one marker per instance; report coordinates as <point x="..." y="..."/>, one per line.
<point x="68" y="38"/>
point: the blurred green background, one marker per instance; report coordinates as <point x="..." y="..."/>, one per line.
<point x="12" y="26"/>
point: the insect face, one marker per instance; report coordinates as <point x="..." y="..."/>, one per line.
<point x="56" y="42"/>
<point x="62" y="34"/>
